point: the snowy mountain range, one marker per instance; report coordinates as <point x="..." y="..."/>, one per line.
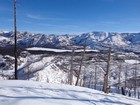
<point x="95" y="40"/>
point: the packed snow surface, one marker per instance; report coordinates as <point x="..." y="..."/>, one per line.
<point x="37" y="93"/>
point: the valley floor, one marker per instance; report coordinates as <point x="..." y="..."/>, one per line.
<point x="19" y="92"/>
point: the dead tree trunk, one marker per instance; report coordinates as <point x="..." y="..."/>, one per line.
<point x="106" y="75"/>
<point x="90" y="79"/>
<point x="138" y="95"/>
<point x="123" y="91"/>
<point x="15" y="47"/>
<point x="95" y="77"/>
<point x="135" y="79"/>
<point x="84" y="78"/>
<point x="119" y="78"/>
<point x="81" y="64"/>
<point x="126" y="74"/>
<point x="71" y="69"/>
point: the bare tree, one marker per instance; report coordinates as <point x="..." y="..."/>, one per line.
<point x="81" y="63"/>
<point x="15" y="47"/>
<point x="119" y="77"/>
<point x="84" y="78"/>
<point x="70" y="79"/>
<point x="106" y="75"/>
<point x="95" y="77"/>
<point x="90" y="79"/>
<point x="126" y="74"/>
<point x="135" y="79"/>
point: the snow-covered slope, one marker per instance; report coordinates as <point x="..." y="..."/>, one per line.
<point x="42" y="68"/>
<point x="37" y="93"/>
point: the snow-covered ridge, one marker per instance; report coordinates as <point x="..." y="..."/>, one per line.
<point x="37" y="93"/>
<point x="125" y="41"/>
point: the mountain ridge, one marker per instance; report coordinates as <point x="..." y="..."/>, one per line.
<point x="123" y="41"/>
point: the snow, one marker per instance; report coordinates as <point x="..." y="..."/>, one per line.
<point x="2" y="38"/>
<point x="51" y="74"/>
<point x="47" y="71"/>
<point x="17" y="92"/>
<point x="41" y="68"/>
<point x="56" y="50"/>
<point x="118" y="40"/>
<point x="132" y="61"/>
<point x="24" y="61"/>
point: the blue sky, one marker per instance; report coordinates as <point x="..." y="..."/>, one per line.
<point x="71" y="16"/>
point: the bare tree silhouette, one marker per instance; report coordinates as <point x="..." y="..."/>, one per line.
<point x="15" y="47"/>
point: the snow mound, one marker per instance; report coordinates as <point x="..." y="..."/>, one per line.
<point x="37" y="93"/>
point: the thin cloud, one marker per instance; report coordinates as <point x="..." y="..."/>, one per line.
<point x="38" y="17"/>
<point x="35" y="17"/>
<point x="61" y="26"/>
